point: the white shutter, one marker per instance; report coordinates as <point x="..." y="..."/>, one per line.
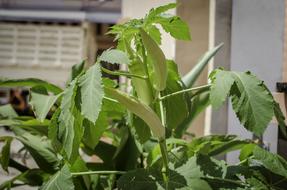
<point x="41" y="45"/>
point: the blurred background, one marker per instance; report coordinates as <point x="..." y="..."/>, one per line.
<point x="44" y="38"/>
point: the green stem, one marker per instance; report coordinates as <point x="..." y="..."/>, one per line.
<point x="111" y="99"/>
<point x="97" y="172"/>
<point x="184" y="91"/>
<point x="163" y="149"/>
<point x="122" y="73"/>
<point x="245" y="160"/>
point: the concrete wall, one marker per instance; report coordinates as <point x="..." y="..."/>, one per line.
<point x="196" y="14"/>
<point x="257" y="45"/>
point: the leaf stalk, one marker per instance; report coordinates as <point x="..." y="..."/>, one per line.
<point x="97" y="172"/>
<point x="184" y="91"/>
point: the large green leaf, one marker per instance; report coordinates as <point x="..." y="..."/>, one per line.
<point x="175" y="26"/>
<point x="154" y="32"/>
<point x="252" y="103"/>
<point x="171" y="24"/>
<point x="142" y="131"/>
<point x="40" y="148"/>
<point x="7" y="111"/>
<point x="190" y="78"/>
<point x="31" y="82"/>
<point x="158" y="60"/>
<point x="77" y="69"/>
<point x="213" y="145"/>
<point x="41" y="102"/>
<point x="91" y="93"/>
<point x="5" y="153"/>
<point x="158" y="10"/>
<point x="187" y="176"/>
<point x="93" y="132"/>
<point x="221" y="87"/>
<point x="62" y="180"/>
<point x="127" y="154"/>
<point x="31" y="125"/>
<point x="31" y="177"/>
<point x="114" y="56"/>
<point x="272" y="162"/>
<point x="70" y="121"/>
<point x="151" y="179"/>
<point x="176" y="107"/>
<point x="139" y="109"/>
<point x="198" y="103"/>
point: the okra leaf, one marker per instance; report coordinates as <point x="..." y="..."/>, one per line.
<point x="70" y="129"/>
<point x="31" y="177"/>
<point x="161" y="9"/>
<point x="142" y="130"/>
<point x="175" y="26"/>
<point x="93" y="132"/>
<point x="77" y="69"/>
<point x="40" y="148"/>
<point x="30" y="82"/>
<point x="154" y="32"/>
<point x="158" y="61"/>
<point x="41" y="102"/>
<point x="91" y="93"/>
<point x="114" y="56"/>
<point x="176" y="107"/>
<point x="221" y="87"/>
<point x="5" y="153"/>
<point x="7" y="111"/>
<point x="62" y="180"/>
<point x="252" y="103"/>
<point x="272" y="162"/>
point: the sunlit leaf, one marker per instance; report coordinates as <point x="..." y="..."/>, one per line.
<point x="91" y="93"/>
<point x="30" y="82"/>
<point x="114" y="56"/>
<point x="7" y="111"/>
<point x="42" y="103"/>
<point x="252" y="103"/>
<point x="5" y="153"/>
<point x="62" y="180"/>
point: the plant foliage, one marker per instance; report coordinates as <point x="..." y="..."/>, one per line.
<point x="93" y="135"/>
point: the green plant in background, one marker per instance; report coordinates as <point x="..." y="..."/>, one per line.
<point x="136" y="134"/>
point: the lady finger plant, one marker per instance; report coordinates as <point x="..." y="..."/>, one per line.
<point x="136" y="135"/>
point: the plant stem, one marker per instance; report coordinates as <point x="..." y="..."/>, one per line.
<point x="163" y="149"/>
<point x="245" y="160"/>
<point x="97" y="172"/>
<point x="184" y="91"/>
<point x="111" y="99"/>
<point x="122" y="73"/>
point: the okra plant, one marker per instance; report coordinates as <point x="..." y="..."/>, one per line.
<point x="95" y="135"/>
